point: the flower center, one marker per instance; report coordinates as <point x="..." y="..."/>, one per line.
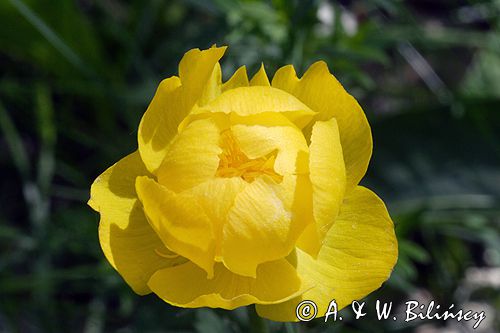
<point x="234" y="163"/>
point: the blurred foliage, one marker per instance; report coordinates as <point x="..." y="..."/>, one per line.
<point x="76" y="77"/>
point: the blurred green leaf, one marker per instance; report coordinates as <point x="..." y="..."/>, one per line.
<point x="16" y="146"/>
<point x="207" y="321"/>
<point x="50" y="35"/>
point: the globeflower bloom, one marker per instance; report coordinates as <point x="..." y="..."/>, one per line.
<point x="246" y="192"/>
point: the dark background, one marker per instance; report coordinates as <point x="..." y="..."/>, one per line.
<point x="76" y="77"/>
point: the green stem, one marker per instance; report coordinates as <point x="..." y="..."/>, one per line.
<point x="257" y="324"/>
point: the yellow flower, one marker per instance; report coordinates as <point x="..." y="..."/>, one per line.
<point x="246" y="192"/>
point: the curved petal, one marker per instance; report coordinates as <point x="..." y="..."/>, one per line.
<point x="327" y="173"/>
<point x="216" y="197"/>
<point x="358" y="255"/>
<point x="193" y="157"/>
<point x="251" y="101"/>
<point x="187" y="286"/>
<point x="180" y="222"/>
<point x="264" y="223"/>
<point x="286" y="79"/>
<point x="198" y="79"/>
<point x="259" y="140"/>
<point x="246" y="101"/>
<point x="321" y="91"/>
<point x="127" y="240"/>
<point x="213" y="86"/>
<point x="159" y="123"/>
<point x="239" y="79"/>
<point x="196" y="68"/>
<point x="260" y="78"/>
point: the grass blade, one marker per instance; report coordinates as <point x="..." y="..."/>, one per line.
<point x="14" y="142"/>
<point x="51" y="36"/>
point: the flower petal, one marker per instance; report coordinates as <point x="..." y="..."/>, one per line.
<point x="213" y="87"/>
<point x="251" y="101"/>
<point x="246" y="101"/>
<point x="328" y="178"/>
<point x="197" y="68"/>
<point x="126" y="238"/>
<point x="259" y="140"/>
<point x="187" y="286"/>
<point x="286" y="79"/>
<point x="239" y="79"/>
<point x="262" y="225"/>
<point x="180" y="222"/>
<point x="216" y="197"/>
<point x="260" y="78"/>
<point x="358" y="255"/>
<point x="159" y="123"/>
<point x="321" y="91"/>
<point x="174" y="99"/>
<point x="193" y="157"/>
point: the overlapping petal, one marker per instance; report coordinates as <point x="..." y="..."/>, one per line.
<point x="246" y="101"/>
<point x="127" y="240"/>
<point x="260" y="78"/>
<point x="192" y="158"/>
<point x="260" y="140"/>
<point x="328" y="178"/>
<point x="180" y="222"/>
<point x="357" y="256"/>
<point x="187" y="286"/>
<point x="250" y="101"/>
<point x="199" y="79"/>
<point x="239" y="79"/>
<point x="321" y="91"/>
<point x="216" y="197"/>
<point x="264" y="223"/>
